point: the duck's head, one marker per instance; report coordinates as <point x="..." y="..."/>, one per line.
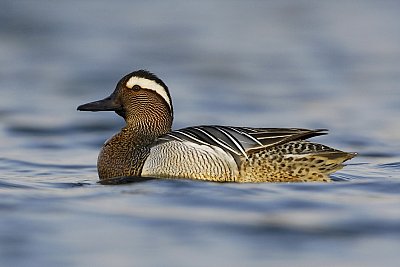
<point x="141" y="98"/>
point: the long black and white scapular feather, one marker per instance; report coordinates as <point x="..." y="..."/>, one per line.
<point x="239" y="141"/>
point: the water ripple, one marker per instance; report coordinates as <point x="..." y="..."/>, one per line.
<point x="45" y="131"/>
<point x="390" y="166"/>
<point x="4" y="184"/>
<point x="45" y="165"/>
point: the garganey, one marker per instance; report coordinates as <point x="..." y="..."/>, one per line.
<point x="147" y="147"/>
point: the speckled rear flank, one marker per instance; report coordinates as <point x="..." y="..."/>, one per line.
<point x="297" y="161"/>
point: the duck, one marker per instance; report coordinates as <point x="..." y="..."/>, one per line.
<point x="148" y="147"/>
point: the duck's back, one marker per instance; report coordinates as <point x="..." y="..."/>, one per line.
<point x="239" y="154"/>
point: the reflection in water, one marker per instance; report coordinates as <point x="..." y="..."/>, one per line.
<point x="124" y="180"/>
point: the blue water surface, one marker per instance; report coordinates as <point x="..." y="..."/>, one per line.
<point x="309" y="64"/>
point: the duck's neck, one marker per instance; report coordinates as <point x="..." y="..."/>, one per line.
<point x="124" y="154"/>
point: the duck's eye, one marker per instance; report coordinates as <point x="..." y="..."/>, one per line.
<point x="136" y="87"/>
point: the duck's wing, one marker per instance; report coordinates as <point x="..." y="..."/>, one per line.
<point x="239" y="141"/>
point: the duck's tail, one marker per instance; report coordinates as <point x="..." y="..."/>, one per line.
<point x="295" y="161"/>
<point x="317" y="166"/>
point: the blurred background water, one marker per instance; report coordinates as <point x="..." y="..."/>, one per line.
<point x="314" y="64"/>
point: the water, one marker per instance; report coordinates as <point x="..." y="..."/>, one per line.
<point x="314" y="64"/>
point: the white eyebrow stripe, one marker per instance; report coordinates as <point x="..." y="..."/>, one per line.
<point x="150" y="85"/>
